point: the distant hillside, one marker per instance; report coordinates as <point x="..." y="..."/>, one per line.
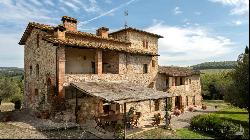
<point x="215" y="65"/>
<point x="11" y="71"/>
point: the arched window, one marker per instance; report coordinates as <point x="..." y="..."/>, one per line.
<point x="37" y="70"/>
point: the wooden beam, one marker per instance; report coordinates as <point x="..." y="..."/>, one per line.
<point x="125" y="120"/>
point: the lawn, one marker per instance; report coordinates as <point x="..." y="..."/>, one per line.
<point x="160" y="133"/>
<point x="219" y="103"/>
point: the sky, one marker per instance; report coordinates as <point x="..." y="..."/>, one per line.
<point x="194" y="31"/>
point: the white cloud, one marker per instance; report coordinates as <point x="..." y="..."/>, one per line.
<point x="36" y="2"/>
<point x="11" y="53"/>
<point x="187" y="46"/>
<point x="239" y="7"/>
<point x="90" y="7"/>
<point x="177" y="10"/>
<point x="74" y="7"/>
<point x="238" y="22"/>
<point x="197" y="13"/>
<point x="49" y="2"/>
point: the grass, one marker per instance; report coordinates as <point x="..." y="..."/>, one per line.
<point x="185" y="133"/>
<point x="160" y="133"/>
<point x="219" y="103"/>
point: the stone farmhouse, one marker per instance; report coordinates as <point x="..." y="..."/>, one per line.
<point x="85" y="75"/>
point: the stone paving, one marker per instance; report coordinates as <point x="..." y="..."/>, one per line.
<point x="183" y="121"/>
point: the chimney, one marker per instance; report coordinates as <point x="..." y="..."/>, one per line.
<point x="69" y="23"/>
<point x="59" y="32"/>
<point x="103" y="32"/>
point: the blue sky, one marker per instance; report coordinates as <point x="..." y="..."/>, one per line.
<point x="194" y="31"/>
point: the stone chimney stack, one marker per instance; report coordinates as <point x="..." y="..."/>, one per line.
<point x="59" y="32"/>
<point x="69" y="23"/>
<point x="103" y="32"/>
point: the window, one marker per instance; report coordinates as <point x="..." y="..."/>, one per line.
<point x="36" y="91"/>
<point x="145" y="68"/>
<point x="37" y="70"/>
<point x="37" y="40"/>
<point x="187" y="100"/>
<point x="30" y="70"/>
<point x="157" y="105"/>
<point x="193" y="100"/>
<point x="153" y="63"/>
<point x="145" y="44"/>
<point x="189" y="81"/>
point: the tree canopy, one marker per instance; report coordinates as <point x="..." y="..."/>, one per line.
<point x="238" y="94"/>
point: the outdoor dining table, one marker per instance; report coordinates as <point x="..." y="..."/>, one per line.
<point x="109" y="119"/>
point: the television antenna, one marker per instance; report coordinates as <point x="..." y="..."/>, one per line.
<point x="125" y="16"/>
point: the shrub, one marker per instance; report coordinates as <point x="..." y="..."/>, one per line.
<point x="211" y="124"/>
<point x="119" y="131"/>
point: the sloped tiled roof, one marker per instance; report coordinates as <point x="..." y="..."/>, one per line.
<point x="29" y="28"/>
<point x="117" y="45"/>
<point x="135" y="30"/>
<point x="177" y="71"/>
<point x="120" y="92"/>
<point x="79" y="43"/>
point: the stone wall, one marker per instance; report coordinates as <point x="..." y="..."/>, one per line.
<point x="42" y="57"/>
<point x="147" y="108"/>
<point x="137" y="39"/>
<point x="110" y="60"/>
<point x="93" y="106"/>
<point x="79" y="61"/>
<point x="188" y="90"/>
<point x="135" y="63"/>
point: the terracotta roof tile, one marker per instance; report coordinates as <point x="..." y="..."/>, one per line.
<point x="177" y="71"/>
<point x="136" y="30"/>
<point x="79" y="43"/>
<point x="29" y="28"/>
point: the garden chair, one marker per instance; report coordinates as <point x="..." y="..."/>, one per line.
<point x="99" y="123"/>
